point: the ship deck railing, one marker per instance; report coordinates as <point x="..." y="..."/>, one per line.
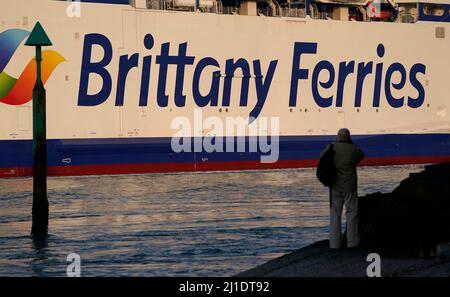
<point x="280" y="11"/>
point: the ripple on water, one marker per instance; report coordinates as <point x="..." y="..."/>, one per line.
<point x="191" y="224"/>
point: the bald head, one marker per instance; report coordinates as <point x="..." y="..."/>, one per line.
<point x="343" y="135"/>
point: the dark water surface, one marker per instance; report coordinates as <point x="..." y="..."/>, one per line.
<point x="190" y="224"/>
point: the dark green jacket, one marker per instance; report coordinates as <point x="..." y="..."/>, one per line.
<point x="346" y="157"/>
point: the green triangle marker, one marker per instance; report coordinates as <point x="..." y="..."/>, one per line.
<point x="38" y="37"/>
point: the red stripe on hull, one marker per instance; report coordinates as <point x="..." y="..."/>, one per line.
<point x="74" y="170"/>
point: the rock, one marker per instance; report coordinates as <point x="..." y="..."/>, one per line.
<point x="318" y="260"/>
<point x="407" y="227"/>
<point x="413" y="219"/>
<point x="443" y="250"/>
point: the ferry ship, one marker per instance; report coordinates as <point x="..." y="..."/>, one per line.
<point x="120" y="72"/>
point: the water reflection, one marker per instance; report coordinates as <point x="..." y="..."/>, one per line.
<point x="196" y="224"/>
<point x="40" y="247"/>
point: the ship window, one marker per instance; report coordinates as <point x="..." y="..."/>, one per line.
<point x="433" y="9"/>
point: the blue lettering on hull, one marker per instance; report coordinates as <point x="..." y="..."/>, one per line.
<point x="395" y="78"/>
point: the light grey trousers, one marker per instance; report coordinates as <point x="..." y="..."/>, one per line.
<point x="338" y="200"/>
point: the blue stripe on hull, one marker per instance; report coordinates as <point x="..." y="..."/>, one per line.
<point x="18" y="153"/>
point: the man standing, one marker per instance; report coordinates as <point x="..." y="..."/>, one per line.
<point x="344" y="190"/>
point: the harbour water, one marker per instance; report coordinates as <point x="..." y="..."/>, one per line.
<point x="189" y="224"/>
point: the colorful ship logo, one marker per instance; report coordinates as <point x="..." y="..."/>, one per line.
<point x="18" y="91"/>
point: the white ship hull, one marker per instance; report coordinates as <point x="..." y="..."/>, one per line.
<point x="387" y="82"/>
